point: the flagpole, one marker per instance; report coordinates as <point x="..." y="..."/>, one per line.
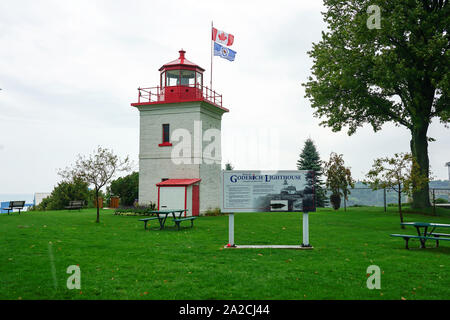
<point x="212" y="48"/>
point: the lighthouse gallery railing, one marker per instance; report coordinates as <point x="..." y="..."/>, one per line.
<point x="179" y="94"/>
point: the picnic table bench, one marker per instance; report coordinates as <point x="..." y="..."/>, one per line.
<point x="179" y="220"/>
<point x="75" y="204"/>
<point x="423" y="234"/>
<point x="147" y="220"/>
<point x="162" y="215"/>
<point x="15" y="205"/>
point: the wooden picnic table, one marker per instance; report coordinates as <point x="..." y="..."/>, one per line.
<point x="424" y="234"/>
<point x="162" y="215"/>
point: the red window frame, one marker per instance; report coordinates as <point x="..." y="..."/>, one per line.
<point x="165" y="140"/>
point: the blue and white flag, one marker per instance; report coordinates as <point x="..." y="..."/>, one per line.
<point x="224" y="52"/>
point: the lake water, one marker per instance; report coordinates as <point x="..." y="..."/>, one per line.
<point x="28" y="197"/>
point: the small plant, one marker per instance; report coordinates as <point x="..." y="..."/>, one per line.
<point x="229" y="166"/>
<point x="396" y="205"/>
<point x="335" y="200"/>
<point x="213" y="212"/>
<point x="143" y="210"/>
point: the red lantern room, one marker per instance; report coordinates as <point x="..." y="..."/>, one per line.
<point x="180" y="81"/>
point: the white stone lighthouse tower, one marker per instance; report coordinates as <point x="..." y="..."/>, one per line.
<point x="180" y="123"/>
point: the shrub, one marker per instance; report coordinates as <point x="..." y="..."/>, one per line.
<point x="126" y="188"/>
<point x="43" y="205"/>
<point x="138" y="210"/>
<point x="214" y="212"/>
<point x="335" y="200"/>
<point x="440" y="200"/>
<point x="396" y="204"/>
<point x="63" y="193"/>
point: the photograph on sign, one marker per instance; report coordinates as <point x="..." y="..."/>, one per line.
<point x="268" y="191"/>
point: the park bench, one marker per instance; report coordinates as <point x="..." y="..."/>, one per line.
<point x="179" y="220"/>
<point x="406" y="237"/>
<point x="147" y="220"/>
<point x="75" y="204"/>
<point x="15" y="204"/>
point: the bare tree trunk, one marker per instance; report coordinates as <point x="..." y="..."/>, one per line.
<point x="419" y="150"/>
<point x="400" y="204"/>
<point x="98" y="206"/>
<point x="345" y="201"/>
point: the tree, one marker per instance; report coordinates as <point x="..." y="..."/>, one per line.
<point x="339" y="179"/>
<point x="127" y="188"/>
<point x="398" y="173"/>
<point x="63" y="193"/>
<point x="310" y="160"/>
<point x="96" y="169"/>
<point x="397" y="73"/>
<point x="228" y="166"/>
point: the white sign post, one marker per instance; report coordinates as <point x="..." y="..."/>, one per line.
<point x="268" y="191"/>
<point x="231" y="230"/>
<point x="305" y="242"/>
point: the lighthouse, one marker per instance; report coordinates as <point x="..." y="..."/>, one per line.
<point x="179" y="144"/>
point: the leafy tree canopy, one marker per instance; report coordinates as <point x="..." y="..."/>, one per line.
<point x="63" y="193"/>
<point x="127" y="188"/>
<point x="339" y="177"/>
<point x="398" y="173"/>
<point x="397" y="73"/>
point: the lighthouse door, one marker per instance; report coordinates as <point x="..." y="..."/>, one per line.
<point x="172" y="198"/>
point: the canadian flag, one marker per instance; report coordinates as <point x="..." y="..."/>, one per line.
<point x="222" y="37"/>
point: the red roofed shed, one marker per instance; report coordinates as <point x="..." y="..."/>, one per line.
<point x="179" y="194"/>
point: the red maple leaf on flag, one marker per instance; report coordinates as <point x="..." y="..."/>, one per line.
<point x="222" y="36"/>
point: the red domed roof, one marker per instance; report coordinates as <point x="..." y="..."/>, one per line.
<point x="182" y="63"/>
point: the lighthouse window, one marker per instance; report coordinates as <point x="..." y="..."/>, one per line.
<point x="163" y="79"/>
<point x="165" y="136"/>
<point x="173" y="77"/>
<point x="187" y="78"/>
<point x="199" y="80"/>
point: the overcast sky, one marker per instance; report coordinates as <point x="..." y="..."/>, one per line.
<point x="70" y="69"/>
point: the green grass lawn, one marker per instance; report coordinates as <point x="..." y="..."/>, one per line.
<point x="119" y="260"/>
